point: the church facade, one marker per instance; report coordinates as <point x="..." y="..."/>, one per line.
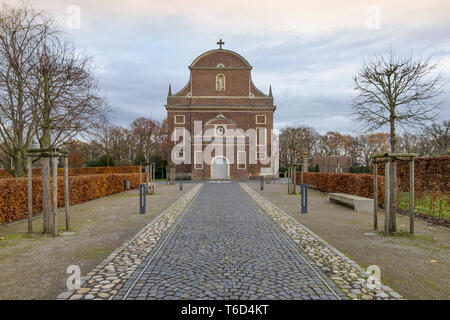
<point x="229" y="120"/>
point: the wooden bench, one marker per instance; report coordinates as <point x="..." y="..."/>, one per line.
<point x="359" y="203"/>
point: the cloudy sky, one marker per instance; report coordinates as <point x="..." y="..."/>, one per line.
<point x="307" y="50"/>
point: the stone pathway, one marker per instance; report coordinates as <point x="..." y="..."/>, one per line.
<point x="222" y="242"/>
<point x="222" y="248"/>
<point x="350" y="278"/>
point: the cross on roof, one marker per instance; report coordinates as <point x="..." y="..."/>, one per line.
<point x="220" y="43"/>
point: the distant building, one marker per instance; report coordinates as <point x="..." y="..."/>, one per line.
<point x="333" y="164"/>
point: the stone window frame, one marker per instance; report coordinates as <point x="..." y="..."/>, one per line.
<point x="261" y="115"/>
<point x="237" y="160"/>
<point x="179" y="115"/>
<point x="224" y="82"/>
<point x="195" y="161"/>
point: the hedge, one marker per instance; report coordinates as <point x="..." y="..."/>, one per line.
<point x="356" y="184"/>
<point x="13" y="200"/>
<point x="431" y="175"/>
<point x="82" y="171"/>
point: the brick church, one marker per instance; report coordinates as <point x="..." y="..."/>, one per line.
<point x="220" y="93"/>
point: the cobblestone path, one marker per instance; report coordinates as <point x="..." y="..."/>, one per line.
<point x="224" y="247"/>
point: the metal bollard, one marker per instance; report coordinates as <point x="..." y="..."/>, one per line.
<point x="142" y="198"/>
<point x="181" y="183"/>
<point x="304" y="204"/>
<point x="262" y="182"/>
<point x="127" y="185"/>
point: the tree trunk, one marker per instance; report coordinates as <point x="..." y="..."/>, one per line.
<point x="46" y="204"/>
<point x="18" y="164"/>
<point x="393" y="179"/>
<point x="393" y="196"/>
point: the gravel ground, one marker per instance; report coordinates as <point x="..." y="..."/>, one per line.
<point x="34" y="266"/>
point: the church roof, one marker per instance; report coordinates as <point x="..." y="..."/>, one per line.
<point x="220" y="58"/>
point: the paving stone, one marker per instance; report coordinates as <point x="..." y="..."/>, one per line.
<point x="216" y="243"/>
<point x="342" y="269"/>
<point x="223" y="239"/>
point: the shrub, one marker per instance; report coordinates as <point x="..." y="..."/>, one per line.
<point x="106" y="161"/>
<point x="13" y="201"/>
<point x="82" y="171"/>
<point x="4" y="174"/>
<point x="431" y="176"/>
<point x="92" y="163"/>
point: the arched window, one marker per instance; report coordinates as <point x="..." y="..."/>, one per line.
<point x="220" y="82"/>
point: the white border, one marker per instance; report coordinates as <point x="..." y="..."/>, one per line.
<point x="245" y="162"/>
<point x="179" y="115"/>
<point x="261" y="115"/>
<point x="196" y="163"/>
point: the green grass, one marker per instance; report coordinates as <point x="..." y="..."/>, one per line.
<point x="437" y="207"/>
<point x="94" y="253"/>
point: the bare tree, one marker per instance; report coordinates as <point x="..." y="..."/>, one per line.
<point x="440" y="136"/>
<point x="419" y="143"/>
<point x="64" y="100"/>
<point x="391" y="91"/>
<point x="334" y="144"/>
<point x="22" y="32"/>
<point x="145" y="130"/>
<point x="370" y="144"/>
<point x="296" y="142"/>
<point x="65" y="94"/>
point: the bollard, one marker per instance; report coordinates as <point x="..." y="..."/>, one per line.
<point x="181" y="183"/>
<point x="142" y="199"/>
<point x="262" y="182"/>
<point x="127" y="184"/>
<point x="304" y="204"/>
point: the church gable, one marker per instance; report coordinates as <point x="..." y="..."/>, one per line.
<point x="219" y="78"/>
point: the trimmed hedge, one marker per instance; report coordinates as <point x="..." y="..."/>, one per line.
<point x="431" y="175"/>
<point x="81" y="171"/>
<point x="13" y="200"/>
<point x="356" y="184"/>
<point x="4" y="174"/>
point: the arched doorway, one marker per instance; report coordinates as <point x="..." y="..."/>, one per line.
<point x="220" y="168"/>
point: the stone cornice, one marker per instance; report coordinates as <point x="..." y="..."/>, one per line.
<point x="223" y="68"/>
<point x="219" y="97"/>
<point x="190" y="107"/>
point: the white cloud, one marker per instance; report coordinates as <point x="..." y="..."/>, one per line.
<point x="307" y="50"/>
